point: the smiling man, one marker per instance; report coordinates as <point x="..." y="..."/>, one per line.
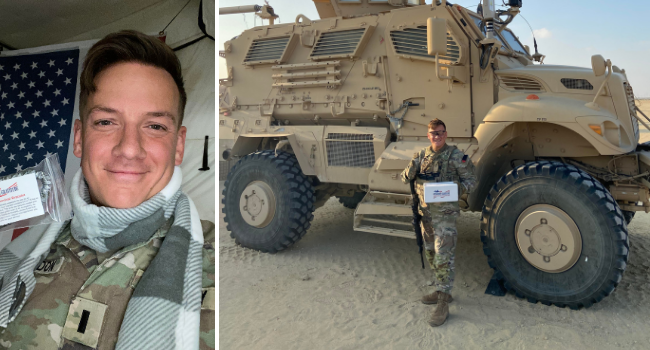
<point x="134" y="268"/>
<point x="440" y="163"/>
<point x="130" y="137"/>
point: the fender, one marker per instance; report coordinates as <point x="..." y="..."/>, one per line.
<point x="248" y="143"/>
<point x="569" y="113"/>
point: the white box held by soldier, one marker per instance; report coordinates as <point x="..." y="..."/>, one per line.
<point x="436" y="192"/>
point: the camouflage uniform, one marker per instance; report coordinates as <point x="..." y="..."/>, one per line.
<point x="75" y="282"/>
<point x="439" y="219"/>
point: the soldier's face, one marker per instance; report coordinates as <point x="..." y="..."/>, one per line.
<point x="437" y="136"/>
<point x="129" y="141"/>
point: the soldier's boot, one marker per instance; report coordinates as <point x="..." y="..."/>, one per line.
<point x="440" y="314"/>
<point x="433" y="298"/>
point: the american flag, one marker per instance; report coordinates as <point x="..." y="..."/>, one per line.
<point x="37" y="98"/>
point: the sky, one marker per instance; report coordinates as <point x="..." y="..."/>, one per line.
<point x="567" y="32"/>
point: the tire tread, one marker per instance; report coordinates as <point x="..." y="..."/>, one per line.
<point x="593" y="188"/>
<point x="301" y="197"/>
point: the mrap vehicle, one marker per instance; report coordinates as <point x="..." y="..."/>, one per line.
<point x="338" y="107"/>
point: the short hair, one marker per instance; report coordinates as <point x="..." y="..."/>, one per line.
<point x="435" y="123"/>
<point x="129" y="46"/>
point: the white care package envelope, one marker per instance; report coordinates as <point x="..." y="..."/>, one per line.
<point x="19" y="199"/>
<point x="436" y="192"/>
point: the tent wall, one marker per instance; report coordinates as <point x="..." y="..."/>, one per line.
<point x="198" y="62"/>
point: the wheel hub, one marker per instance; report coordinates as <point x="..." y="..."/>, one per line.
<point x="257" y="204"/>
<point x="548" y="238"/>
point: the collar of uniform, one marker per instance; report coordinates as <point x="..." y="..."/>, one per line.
<point x="65" y="237"/>
<point x="66" y="240"/>
<point x="430" y="150"/>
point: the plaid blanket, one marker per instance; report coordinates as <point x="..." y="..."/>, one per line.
<point x="164" y="311"/>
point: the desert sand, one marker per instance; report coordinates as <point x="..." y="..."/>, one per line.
<point x="341" y="289"/>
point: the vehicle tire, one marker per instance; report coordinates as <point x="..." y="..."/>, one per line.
<point x="629" y="215"/>
<point x="548" y="189"/>
<point x="352" y="202"/>
<point x="268" y="201"/>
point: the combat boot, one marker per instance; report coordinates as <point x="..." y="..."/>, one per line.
<point x="440" y="314"/>
<point x="433" y="298"/>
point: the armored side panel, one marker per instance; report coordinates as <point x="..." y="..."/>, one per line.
<point x="348" y="72"/>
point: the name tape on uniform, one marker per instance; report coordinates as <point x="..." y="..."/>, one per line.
<point x="47" y="267"/>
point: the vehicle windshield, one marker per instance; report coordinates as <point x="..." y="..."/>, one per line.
<point x="505" y="34"/>
<point x="513" y="42"/>
<point x="479" y="24"/>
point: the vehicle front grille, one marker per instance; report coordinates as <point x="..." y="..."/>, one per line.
<point x="632" y="106"/>
<point x="579" y="84"/>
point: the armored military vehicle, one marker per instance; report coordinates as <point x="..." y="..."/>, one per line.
<point x="338" y="106"/>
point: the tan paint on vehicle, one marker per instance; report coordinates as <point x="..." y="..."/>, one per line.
<point x="297" y="82"/>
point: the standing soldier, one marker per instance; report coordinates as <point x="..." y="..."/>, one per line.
<point x="439" y="163"/>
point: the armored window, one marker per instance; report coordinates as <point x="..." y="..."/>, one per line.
<point x="269" y="50"/>
<point x="520" y="83"/>
<point x="580" y="84"/>
<point x="341" y="43"/>
<point x="412" y="43"/>
<point x="513" y="41"/>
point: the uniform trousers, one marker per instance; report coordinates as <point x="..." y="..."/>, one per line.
<point x="439" y="234"/>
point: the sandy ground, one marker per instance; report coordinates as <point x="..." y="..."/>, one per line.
<point x="341" y="289"/>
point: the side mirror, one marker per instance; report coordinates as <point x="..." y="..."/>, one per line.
<point x="436" y="36"/>
<point x="598" y="64"/>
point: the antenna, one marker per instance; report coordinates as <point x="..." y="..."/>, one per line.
<point x="531" y="31"/>
<point x="537" y="56"/>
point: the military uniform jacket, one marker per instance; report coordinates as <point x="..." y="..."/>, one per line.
<point x="74" y="277"/>
<point x="449" y="162"/>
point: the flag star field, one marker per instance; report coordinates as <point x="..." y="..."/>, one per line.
<point x="37" y="94"/>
